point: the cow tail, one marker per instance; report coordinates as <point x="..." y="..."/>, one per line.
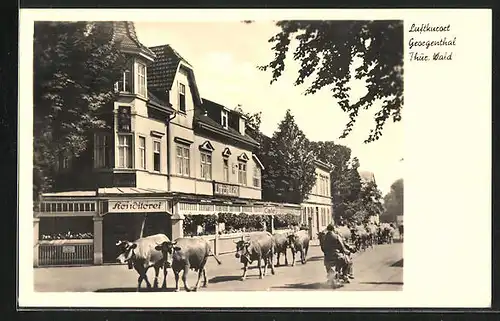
<point x="215" y="257"/>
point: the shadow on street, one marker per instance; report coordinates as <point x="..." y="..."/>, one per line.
<point x="384" y="283"/>
<point x="133" y="289"/>
<point x="315" y="258"/>
<point x="308" y="286"/>
<point x="224" y="278"/>
<point x="398" y="263"/>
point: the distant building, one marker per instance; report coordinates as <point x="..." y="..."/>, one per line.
<point x="317" y="207"/>
<point x="367" y="177"/>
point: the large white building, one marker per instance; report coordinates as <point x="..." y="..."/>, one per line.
<point x="317" y="207"/>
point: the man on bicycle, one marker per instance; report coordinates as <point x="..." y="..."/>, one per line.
<point x="336" y="254"/>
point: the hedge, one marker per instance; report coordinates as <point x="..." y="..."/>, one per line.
<point x="243" y="220"/>
<point x="192" y="221"/>
<point x="230" y="220"/>
<point x="285" y="220"/>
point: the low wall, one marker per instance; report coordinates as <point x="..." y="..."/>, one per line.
<point x="65" y="252"/>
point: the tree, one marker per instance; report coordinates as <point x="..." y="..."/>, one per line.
<point x="289" y="161"/>
<point x="394" y="201"/>
<point x="371" y="199"/>
<point x="253" y="122"/>
<point x="75" y="67"/>
<point x="328" y="49"/>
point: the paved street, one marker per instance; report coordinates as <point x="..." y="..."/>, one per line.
<point x="377" y="269"/>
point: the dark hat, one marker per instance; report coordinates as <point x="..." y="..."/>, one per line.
<point x="330" y="227"/>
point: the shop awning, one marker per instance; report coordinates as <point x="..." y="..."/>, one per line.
<point x="105" y="191"/>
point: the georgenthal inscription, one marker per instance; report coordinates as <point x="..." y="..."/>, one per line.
<point x="431" y="42"/>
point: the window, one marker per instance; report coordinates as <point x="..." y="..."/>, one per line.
<point x="124" y="119"/>
<point x="102" y="150"/>
<point x="141" y="79"/>
<point x="142" y="151"/>
<point x="182" y="97"/>
<point x="156" y="156"/>
<point x="223" y="118"/>
<point x="206" y="165"/>
<point x="256" y="176"/>
<point x="123" y="85"/>
<point x="182" y="160"/>
<point x="226" y="170"/>
<point x="124" y="151"/>
<point x="242" y="173"/>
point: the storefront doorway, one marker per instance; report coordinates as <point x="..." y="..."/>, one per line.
<point x="128" y="226"/>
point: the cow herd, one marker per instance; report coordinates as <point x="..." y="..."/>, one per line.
<point x="365" y="236"/>
<point x="191" y="253"/>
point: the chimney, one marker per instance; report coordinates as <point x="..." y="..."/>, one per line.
<point x="242" y="125"/>
<point x="241" y="119"/>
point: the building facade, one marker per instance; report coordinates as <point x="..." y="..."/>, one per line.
<point x="317" y="207"/>
<point x="166" y="153"/>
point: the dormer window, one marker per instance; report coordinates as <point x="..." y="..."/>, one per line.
<point x="141" y="79"/>
<point x="182" y="97"/>
<point x="224" y="118"/>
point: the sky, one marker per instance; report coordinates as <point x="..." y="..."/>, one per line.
<point x="225" y="56"/>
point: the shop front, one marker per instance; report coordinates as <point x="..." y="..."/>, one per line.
<point x="64" y="228"/>
<point x="75" y="228"/>
<point x="130" y="218"/>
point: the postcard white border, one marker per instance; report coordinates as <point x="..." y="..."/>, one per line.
<point x="447" y="176"/>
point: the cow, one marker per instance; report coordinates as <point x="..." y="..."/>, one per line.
<point x="372" y="234"/>
<point x="360" y="237"/>
<point x="187" y="253"/>
<point x="345" y="232"/>
<point x="386" y="233"/>
<point x="258" y="247"/>
<point x="299" y="242"/>
<point x="281" y="245"/>
<point x="401" y="231"/>
<point x="142" y="255"/>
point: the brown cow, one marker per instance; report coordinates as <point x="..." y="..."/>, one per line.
<point x="281" y="243"/>
<point x="259" y="247"/>
<point x="141" y="255"/>
<point x="299" y="242"/>
<point x="187" y="253"/>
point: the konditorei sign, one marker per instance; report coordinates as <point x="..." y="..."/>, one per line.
<point x="140" y="206"/>
<point x="226" y="189"/>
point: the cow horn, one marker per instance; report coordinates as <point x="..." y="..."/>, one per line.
<point x="174" y="242"/>
<point x="118" y="243"/>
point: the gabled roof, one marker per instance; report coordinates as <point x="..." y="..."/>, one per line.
<point x="161" y="72"/>
<point x="124" y="33"/>
<point x="323" y="165"/>
<point x="202" y="119"/>
<point x="257" y="160"/>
